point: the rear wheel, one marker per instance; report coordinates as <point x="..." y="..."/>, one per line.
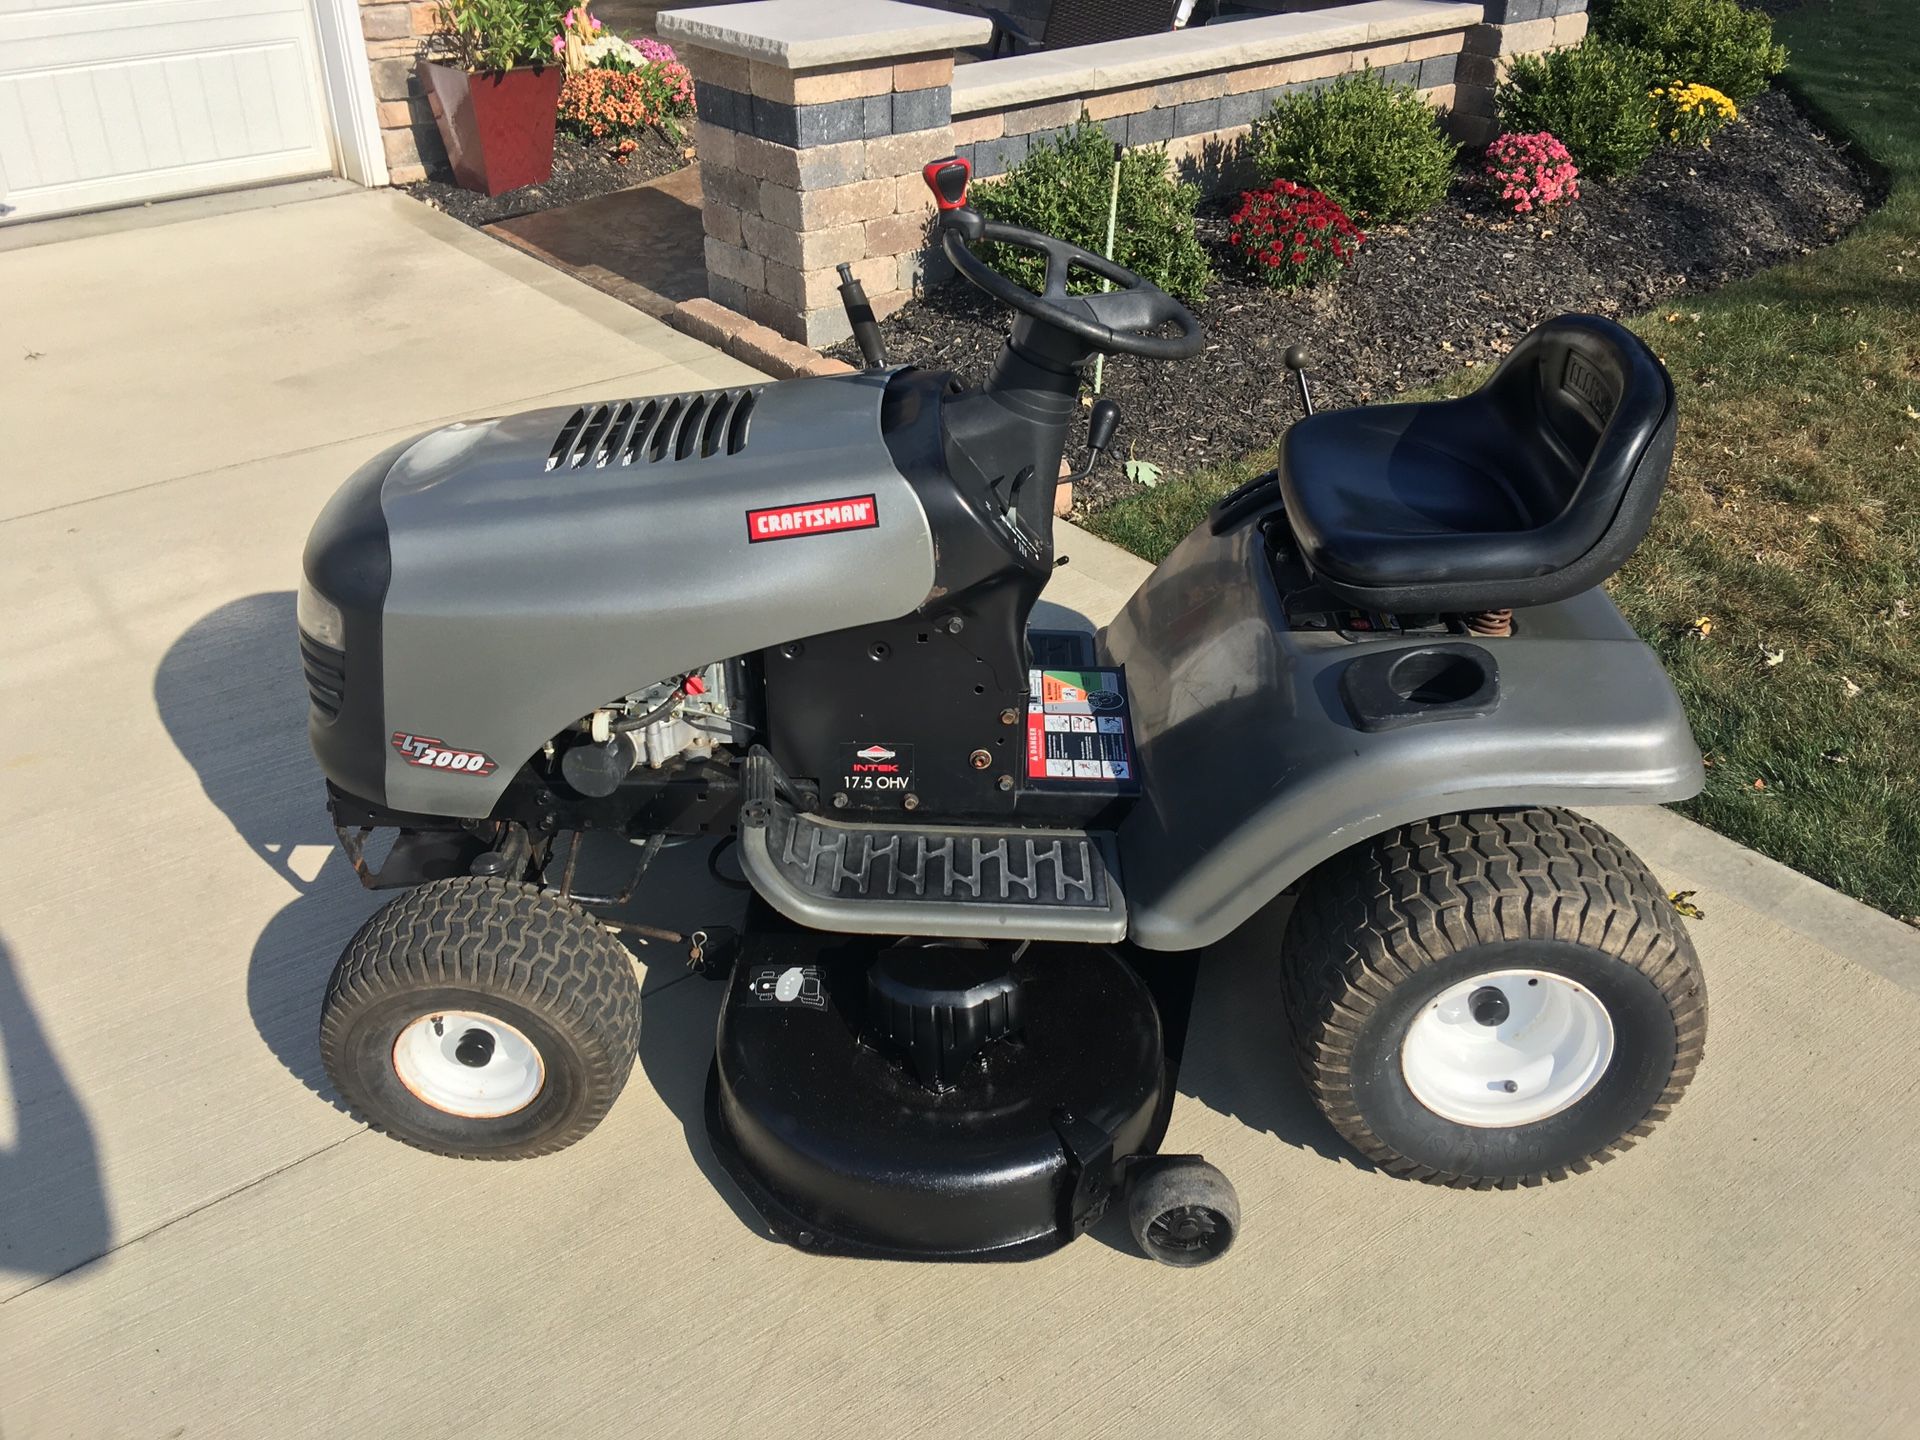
<point x="1492" y="1000"/>
<point x="482" y="1019"/>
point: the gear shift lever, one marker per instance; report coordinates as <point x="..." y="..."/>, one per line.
<point x="1297" y="363"/>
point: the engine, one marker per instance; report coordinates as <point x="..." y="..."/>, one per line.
<point x="683" y="717"/>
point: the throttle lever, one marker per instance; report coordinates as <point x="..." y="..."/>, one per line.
<point x="1100" y="427"/>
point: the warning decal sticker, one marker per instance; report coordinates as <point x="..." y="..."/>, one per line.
<point x="1077" y="727"/>
<point x="819" y="517"/>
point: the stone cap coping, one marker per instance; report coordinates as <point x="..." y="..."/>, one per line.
<point x="807" y="34"/>
<point x="1118" y="64"/>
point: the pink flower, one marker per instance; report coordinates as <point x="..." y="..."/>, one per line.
<point x="1532" y="171"/>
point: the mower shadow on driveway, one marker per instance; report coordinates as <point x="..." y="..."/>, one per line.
<point x="233" y="700"/>
<point x="677" y="1022"/>
<point x="680" y="1009"/>
<point x="54" y="1213"/>
<point x="1238" y="1058"/>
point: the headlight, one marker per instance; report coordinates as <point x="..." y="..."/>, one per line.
<point x="319" y="617"/>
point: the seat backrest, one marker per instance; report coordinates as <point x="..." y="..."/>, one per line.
<point x="1594" y="408"/>
<point x="1089" y="22"/>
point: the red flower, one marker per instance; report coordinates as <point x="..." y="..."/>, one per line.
<point x="1292" y="234"/>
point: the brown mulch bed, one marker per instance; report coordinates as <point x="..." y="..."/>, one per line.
<point x="582" y="169"/>
<point x="1455" y="288"/>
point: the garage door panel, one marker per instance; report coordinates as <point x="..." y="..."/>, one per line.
<point x="157" y="130"/>
<point x="108" y="20"/>
<point x="131" y="100"/>
<point x="119" y="113"/>
<point x="82" y="137"/>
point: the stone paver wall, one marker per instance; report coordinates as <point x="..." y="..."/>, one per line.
<point x="815" y="120"/>
<point x="1453" y="54"/>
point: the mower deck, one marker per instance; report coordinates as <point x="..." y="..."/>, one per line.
<point x="827" y="1117"/>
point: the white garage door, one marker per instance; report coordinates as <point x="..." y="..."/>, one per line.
<point x="106" y="102"/>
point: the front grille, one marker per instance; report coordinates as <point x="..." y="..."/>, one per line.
<point x="667" y="427"/>
<point x="326" y="672"/>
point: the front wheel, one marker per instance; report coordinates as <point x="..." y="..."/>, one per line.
<point x="482" y="1019"/>
<point x="1492" y="1000"/>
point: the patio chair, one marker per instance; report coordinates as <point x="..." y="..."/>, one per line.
<point x="1051" y="24"/>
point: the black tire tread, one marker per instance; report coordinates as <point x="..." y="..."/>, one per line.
<point x="502" y="937"/>
<point x="1375" y="914"/>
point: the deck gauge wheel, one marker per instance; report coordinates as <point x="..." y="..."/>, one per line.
<point x="1182" y="1211"/>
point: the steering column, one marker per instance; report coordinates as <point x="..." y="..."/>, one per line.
<point x="1014" y="429"/>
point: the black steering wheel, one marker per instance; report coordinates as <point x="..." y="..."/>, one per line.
<point x="1115" y="321"/>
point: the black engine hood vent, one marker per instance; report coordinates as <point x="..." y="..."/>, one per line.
<point x="664" y="427"/>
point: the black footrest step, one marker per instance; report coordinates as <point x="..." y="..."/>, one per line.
<point x="936" y="880"/>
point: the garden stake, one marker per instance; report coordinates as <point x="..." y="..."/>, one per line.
<point x="1113" y="215"/>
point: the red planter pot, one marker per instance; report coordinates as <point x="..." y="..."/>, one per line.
<point x="498" y="127"/>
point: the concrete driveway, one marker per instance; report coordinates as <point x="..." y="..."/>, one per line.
<point x="194" y="1241"/>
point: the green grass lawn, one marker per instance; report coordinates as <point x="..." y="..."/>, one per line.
<point x="1792" y="522"/>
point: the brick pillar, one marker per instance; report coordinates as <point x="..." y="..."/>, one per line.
<point x="811" y="134"/>
<point x="396" y="32"/>
<point x="1512" y="27"/>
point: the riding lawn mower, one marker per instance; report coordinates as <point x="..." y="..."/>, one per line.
<point x="791" y="621"/>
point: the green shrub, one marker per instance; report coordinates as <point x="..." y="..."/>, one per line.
<point x="488" y="35"/>
<point x="1702" y="42"/>
<point x="1062" y="188"/>
<point x="1376" y="148"/>
<point x="1595" y="97"/>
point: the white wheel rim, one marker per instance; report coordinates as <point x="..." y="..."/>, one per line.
<point x="1550" y="1042"/>
<point x="468" y="1064"/>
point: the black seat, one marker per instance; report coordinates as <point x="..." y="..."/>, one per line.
<point x="1534" y="488"/>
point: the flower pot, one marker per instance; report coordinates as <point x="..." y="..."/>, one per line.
<point x="497" y="126"/>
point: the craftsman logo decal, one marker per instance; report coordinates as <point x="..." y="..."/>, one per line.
<point x="785" y="522"/>
<point x="430" y="754"/>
